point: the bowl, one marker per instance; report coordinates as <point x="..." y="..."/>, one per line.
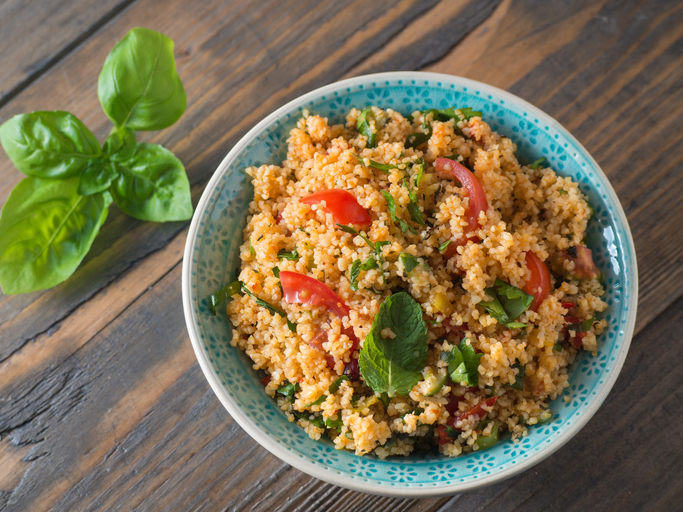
<point x="211" y="261"/>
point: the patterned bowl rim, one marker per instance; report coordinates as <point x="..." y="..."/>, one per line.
<point x="256" y="432"/>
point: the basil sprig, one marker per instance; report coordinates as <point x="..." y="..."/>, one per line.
<point x="508" y="303"/>
<point x="463" y="364"/>
<point x="395" y="365"/>
<point x="51" y="218"/>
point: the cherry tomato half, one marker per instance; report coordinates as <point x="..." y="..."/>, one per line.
<point x="538" y="282"/>
<point x="301" y="289"/>
<point x="342" y="204"/>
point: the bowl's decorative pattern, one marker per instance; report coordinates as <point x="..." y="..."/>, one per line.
<point x="214" y="252"/>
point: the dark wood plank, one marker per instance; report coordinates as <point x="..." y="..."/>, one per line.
<point x="103" y="406"/>
<point x="36" y="36"/>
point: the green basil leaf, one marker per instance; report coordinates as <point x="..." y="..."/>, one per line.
<point x="537" y="164"/>
<point x="519" y="378"/>
<point x="48" y="144"/>
<point x="291" y="325"/>
<point x="391" y="206"/>
<point x="263" y="303"/>
<point x="276" y="272"/>
<point x="385" y="168"/>
<point x="353" y="274"/>
<point x="395" y="365"/>
<point x="463" y="365"/>
<point x="584" y="326"/>
<point x="96" y="177"/>
<point x="514" y="301"/>
<point x="120" y="145"/>
<point x="363" y="127"/>
<point x="420" y="172"/>
<point x="409" y="261"/>
<point x="153" y="185"/>
<point x="443" y="114"/>
<point x="223" y="294"/>
<point x="369" y="264"/>
<point x="46" y="229"/>
<point x="334" y="387"/>
<point x="139" y="86"/>
<point x="282" y="254"/>
<point x="444" y="245"/>
<point x="289" y="390"/>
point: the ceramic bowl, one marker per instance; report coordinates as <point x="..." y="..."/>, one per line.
<point x="212" y="258"/>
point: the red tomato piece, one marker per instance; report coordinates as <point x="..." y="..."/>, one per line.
<point x="301" y="289"/>
<point x="266" y="380"/>
<point x="447" y="168"/>
<point x="443" y="435"/>
<point x="577" y="339"/>
<point x="538" y="283"/>
<point x="568" y="305"/>
<point x="342" y="204"/>
<point x="477" y="412"/>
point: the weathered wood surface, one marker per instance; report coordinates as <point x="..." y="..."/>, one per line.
<point x="102" y="405"/>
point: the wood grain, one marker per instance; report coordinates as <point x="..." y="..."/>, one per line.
<point x="102" y="405"/>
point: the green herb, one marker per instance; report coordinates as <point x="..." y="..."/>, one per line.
<point x="420" y="172"/>
<point x="276" y="272"/>
<point x="537" y="164"/>
<point x="444" y="246"/>
<point x="291" y="325"/>
<point x="508" y="303"/>
<point x="313" y="419"/>
<point x="409" y="261"/>
<point x="391" y="206"/>
<point x="375" y="246"/>
<point x="395" y="365"/>
<point x="376" y="165"/>
<point x="282" y="254"/>
<point x="563" y="192"/>
<point x="334" y="387"/>
<point x="223" y="294"/>
<point x="451" y="432"/>
<point x="584" y="326"/>
<point x="334" y="424"/>
<point x="363" y="126"/>
<point x="418" y="138"/>
<point x="356" y="267"/>
<point x="455" y="158"/>
<point x="252" y="251"/>
<point x="385" y="399"/>
<point x="415" y="213"/>
<point x="51" y="218"/>
<point x="558" y="347"/>
<point x="263" y="303"/>
<point x="289" y="390"/>
<point x="463" y="364"/>
<point x="519" y="378"/>
<point x="468" y="113"/>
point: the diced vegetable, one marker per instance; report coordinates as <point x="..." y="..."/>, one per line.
<point x="507" y="304"/>
<point x="538" y="280"/>
<point x="584" y="267"/>
<point x="477" y="412"/>
<point x="485" y="442"/>
<point x="342" y="205"/>
<point x="436" y="382"/>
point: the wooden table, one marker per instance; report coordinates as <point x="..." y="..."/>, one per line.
<point x="102" y="403"/>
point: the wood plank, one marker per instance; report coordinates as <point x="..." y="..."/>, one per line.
<point x="62" y="25"/>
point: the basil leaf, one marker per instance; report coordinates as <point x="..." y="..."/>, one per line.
<point x="139" y="86"/>
<point x="443" y="114"/>
<point x="363" y="127"/>
<point x="334" y="387"/>
<point x="353" y="274"/>
<point x="120" y="145"/>
<point x="444" y="245"/>
<point x="48" y="144"/>
<point x="223" y="294"/>
<point x="395" y="365"/>
<point x="285" y="255"/>
<point x="468" y="113"/>
<point x="263" y="303"/>
<point x="519" y="378"/>
<point x="557" y="347"/>
<point x="537" y="164"/>
<point x="46" y="229"/>
<point x="276" y="272"/>
<point x="420" y="173"/>
<point x="584" y="326"/>
<point x="385" y="168"/>
<point x="409" y="261"/>
<point x="289" y="390"/>
<point x="291" y="325"/>
<point x="391" y="206"/>
<point x="514" y="301"/>
<point x="96" y="177"/>
<point x="463" y="365"/>
<point x="153" y="185"/>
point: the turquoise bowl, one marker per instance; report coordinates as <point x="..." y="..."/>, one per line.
<point x="212" y="259"/>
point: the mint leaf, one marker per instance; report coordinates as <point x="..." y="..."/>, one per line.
<point x="418" y="138"/>
<point x="409" y="261"/>
<point x="363" y="127"/>
<point x="514" y="301"/>
<point x="519" y="378"/>
<point x="285" y="255"/>
<point x="463" y="364"/>
<point x="319" y="401"/>
<point x="334" y="387"/>
<point x="537" y="164"/>
<point x="508" y="303"/>
<point x="395" y="365"/>
<point x="289" y="390"/>
<point x="468" y="113"/>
